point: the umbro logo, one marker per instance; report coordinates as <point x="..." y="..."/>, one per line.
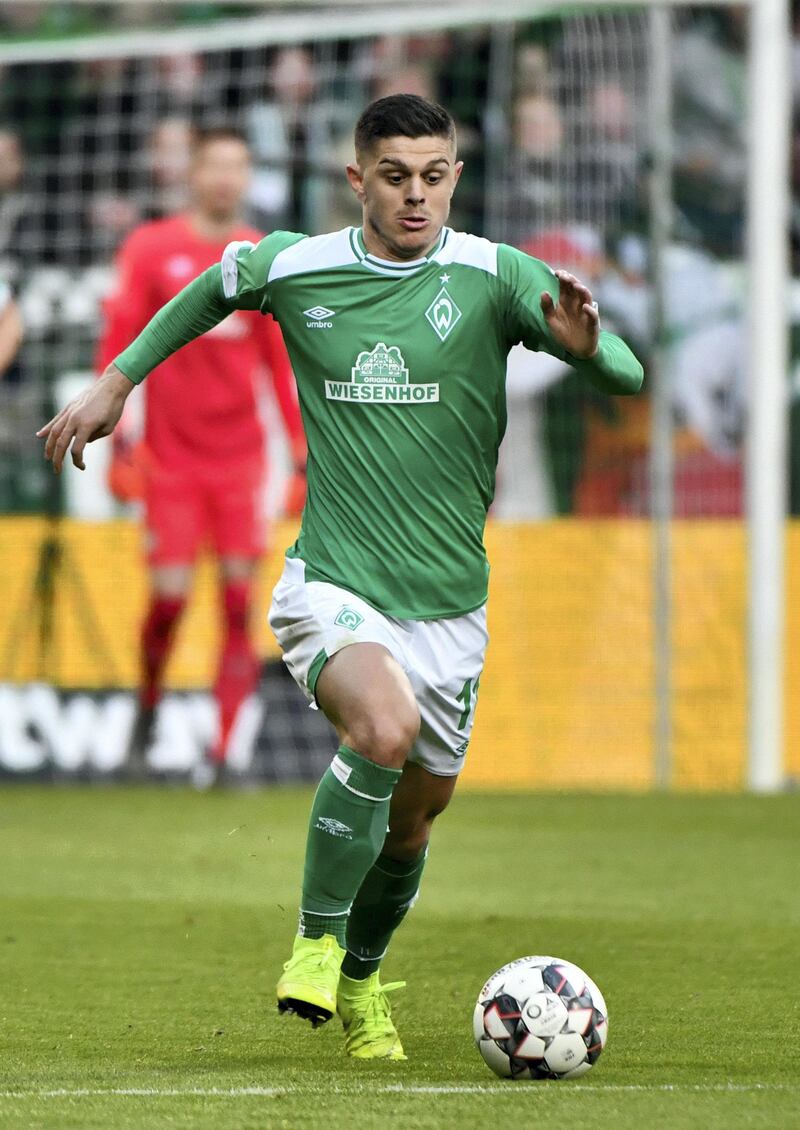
<point x="319" y="318"/>
<point x="334" y="827"/>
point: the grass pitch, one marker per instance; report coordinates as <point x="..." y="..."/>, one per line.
<point x="142" y="931"/>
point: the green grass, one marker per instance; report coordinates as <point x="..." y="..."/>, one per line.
<point x="142" y="931"/>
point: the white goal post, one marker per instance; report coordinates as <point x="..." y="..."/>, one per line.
<point x="767" y="233"/>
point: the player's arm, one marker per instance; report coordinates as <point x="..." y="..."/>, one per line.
<point x="574" y="324"/>
<point x="96" y="411"/>
<point x="554" y="312"/>
<point x="10" y="329"/>
<point x="237" y="283"/>
<point x="126" y="311"/>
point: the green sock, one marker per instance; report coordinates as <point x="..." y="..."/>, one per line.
<point x="383" y="900"/>
<point x="346" y="831"/>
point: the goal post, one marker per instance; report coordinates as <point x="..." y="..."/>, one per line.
<point x="529" y="76"/>
<point x="767" y="236"/>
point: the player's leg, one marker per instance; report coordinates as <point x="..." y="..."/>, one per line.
<point x="365" y="693"/>
<point x="237" y="670"/>
<point x="169" y="588"/>
<point x="388" y="892"/>
<point x="235" y="504"/>
<point x="391" y="887"/>
<point x="173" y="531"/>
<point x="445" y="661"/>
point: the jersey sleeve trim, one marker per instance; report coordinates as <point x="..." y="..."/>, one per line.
<point x="230" y="266"/>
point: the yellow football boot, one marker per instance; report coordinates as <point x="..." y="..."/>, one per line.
<point x="367" y="1018"/>
<point x="310" y="979"/>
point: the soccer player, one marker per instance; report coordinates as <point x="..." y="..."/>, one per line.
<point x="398" y="332"/>
<point x="201" y="466"/>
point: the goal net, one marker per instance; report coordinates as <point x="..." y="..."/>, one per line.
<point x="609" y="666"/>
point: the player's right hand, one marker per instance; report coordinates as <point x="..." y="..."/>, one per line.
<point x="91" y="415"/>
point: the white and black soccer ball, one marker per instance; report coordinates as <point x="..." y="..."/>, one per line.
<point x="540" y="1018"/>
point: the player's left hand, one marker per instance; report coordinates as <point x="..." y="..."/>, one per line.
<point x="574" y="322"/>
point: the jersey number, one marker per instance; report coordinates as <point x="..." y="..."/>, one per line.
<point x="468" y="696"/>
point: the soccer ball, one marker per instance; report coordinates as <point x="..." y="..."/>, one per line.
<point x="540" y="1018"/>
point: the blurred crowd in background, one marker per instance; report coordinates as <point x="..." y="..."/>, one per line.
<point x="553" y="127"/>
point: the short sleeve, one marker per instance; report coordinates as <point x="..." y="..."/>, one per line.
<point x="245" y="269"/>
<point x="522" y="280"/>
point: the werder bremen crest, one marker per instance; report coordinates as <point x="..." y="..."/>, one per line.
<point x="380" y="376"/>
<point x="443" y="314"/>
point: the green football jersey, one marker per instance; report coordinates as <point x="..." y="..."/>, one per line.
<point x="400" y="371"/>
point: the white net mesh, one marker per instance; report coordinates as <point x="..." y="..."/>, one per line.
<point x="553" y="116"/>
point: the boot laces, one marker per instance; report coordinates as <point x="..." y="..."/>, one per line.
<point x="377" y="1007"/>
<point x="317" y="960"/>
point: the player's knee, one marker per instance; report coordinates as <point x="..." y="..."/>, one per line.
<point x="170" y="582"/>
<point x="386" y="739"/>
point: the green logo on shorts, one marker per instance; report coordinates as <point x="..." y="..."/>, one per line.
<point x="348" y="618"/>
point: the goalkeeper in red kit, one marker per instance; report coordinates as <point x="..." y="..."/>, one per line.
<point x="200" y="468"/>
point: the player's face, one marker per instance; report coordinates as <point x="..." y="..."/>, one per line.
<point x="219" y="177"/>
<point x="405" y="185"/>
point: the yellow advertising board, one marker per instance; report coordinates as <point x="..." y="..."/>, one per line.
<point x="566" y="699"/>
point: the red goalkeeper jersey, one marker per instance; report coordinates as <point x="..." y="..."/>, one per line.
<point x="201" y="403"/>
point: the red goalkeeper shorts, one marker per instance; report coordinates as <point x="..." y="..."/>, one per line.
<point x="220" y="508"/>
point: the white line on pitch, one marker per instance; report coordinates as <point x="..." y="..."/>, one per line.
<point x="596" y="1088"/>
<point x="399" y="1089"/>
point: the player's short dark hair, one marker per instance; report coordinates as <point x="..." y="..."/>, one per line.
<point x="206" y="135"/>
<point x="402" y="115"/>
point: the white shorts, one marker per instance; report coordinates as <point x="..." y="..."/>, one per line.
<point x="443" y="659"/>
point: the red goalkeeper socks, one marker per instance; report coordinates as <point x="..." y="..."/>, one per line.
<point x="158" y="632"/>
<point x="238" y="668"/>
